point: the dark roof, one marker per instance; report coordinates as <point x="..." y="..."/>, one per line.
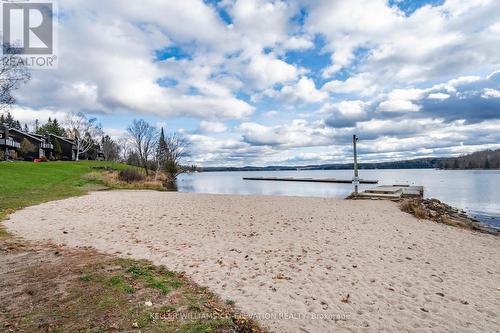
<point x="61" y="138"/>
<point x="24" y="133"/>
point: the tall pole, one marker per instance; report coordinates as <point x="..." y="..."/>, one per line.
<point x="356" y="176"/>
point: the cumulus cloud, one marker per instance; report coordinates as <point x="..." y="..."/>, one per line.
<point x="304" y="90"/>
<point x="362" y="83"/>
<point x="212" y="127"/>
<point x="438" y="96"/>
<point x="298" y="133"/>
<point x="407" y="47"/>
<point x="470" y="98"/>
<point x="285" y="76"/>
<point x="27" y="115"/>
<point x="490" y="93"/>
<point x="345" y="113"/>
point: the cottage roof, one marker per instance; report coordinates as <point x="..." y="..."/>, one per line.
<point x="25" y="134"/>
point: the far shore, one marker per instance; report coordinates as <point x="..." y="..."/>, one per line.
<point x="296" y="264"/>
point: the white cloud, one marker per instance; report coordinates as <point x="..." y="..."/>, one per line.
<point x="213" y="70"/>
<point x="463" y="80"/>
<point x="28" y="115"/>
<point x="212" y="126"/>
<point x="298" y="43"/>
<point x="297" y="133"/>
<point x="362" y="83"/>
<point x="263" y="22"/>
<point x="115" y="133"/>
<point x="265" y="70"/>
<point x="398" y="106"/>
<point x="405" y="48"/>
<point x="438" y="96"/>
<point x="401" y="100"/>
<point x="304" y="90"/>
<point x="491" y="93"/>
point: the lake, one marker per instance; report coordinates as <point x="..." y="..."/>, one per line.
<point x="475" y="191"/>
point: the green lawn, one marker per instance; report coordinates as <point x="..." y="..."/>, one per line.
<point x="102" y="292"/>
<point x="24" y="184"/>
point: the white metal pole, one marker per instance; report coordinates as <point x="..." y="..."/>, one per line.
<point x="356" y="175"/>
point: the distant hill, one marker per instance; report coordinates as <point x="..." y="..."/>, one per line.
<point x="487" y="159"/>
<point x="421" y="163"/>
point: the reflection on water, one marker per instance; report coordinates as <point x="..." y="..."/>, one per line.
<point x="476" y="191"/>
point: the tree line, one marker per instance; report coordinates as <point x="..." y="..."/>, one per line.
<point x="143" y="145"/>
<point x="486" y="159"/>
<point x="154" y="150"/>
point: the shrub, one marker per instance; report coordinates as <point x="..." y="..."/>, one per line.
<point x="130" y="176"/>
<point x="13" y="155"/>
<point x="414" y="207"/>
<point x="26" y="147"/>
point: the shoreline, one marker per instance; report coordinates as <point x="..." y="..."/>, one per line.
<point x="292" y="255"/>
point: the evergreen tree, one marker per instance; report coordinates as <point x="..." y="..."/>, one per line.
<point x="51" y="127"/>
<point x="57" y="148"/>
<point x="162" y="147"/>
<point x="9" y="120"/>
<point x="26" y="129"/>
<point x="487" y="164"/>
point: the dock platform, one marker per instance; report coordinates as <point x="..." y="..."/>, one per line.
<point x="392" y="192"/>
<point x="312" y="180"/>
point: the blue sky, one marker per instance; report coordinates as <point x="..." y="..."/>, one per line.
<point x="260" y="82"/>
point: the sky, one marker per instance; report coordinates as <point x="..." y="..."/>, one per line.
<point x="261" y="82"/>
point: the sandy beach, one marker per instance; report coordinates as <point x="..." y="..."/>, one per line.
<point x="296" y="264"/>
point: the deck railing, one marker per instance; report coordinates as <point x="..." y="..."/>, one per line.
<point x="47" y="145"/>
<point x="10" y="143"/>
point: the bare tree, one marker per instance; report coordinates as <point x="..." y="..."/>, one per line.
<point x="125" y="145"/>
<point x="83" y="131"/>
<point x="177" y="148"/>
<point x="13" y="72"/>
<point x="143" y="136"/>
<point x="110" y="148"/>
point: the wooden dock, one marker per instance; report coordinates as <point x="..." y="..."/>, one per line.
<point x="312" y="180"/>
<point x="392" y="192"/>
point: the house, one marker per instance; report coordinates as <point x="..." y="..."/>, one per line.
<point x="8" y="147"/>
<point x="68" y="148"/>
<point x="49" y="145"/>
<point x="36" y="142"/>
<point x="94" y="153"/>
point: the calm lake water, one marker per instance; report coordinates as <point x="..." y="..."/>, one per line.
<point x="475" y="191"/>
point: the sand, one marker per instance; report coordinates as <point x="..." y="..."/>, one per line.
<point x="296" y="264"/>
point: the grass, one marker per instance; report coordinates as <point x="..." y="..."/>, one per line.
<point x="84" y="291"/>
<point x="25" y="184"/>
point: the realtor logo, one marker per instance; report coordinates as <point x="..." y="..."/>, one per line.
<point x="28" y="32"/>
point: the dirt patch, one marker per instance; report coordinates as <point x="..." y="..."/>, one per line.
<point x="48" y="288"/>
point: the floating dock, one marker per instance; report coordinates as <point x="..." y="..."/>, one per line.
<point x="312" y="180"/>
<point x="392" y="192"/>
